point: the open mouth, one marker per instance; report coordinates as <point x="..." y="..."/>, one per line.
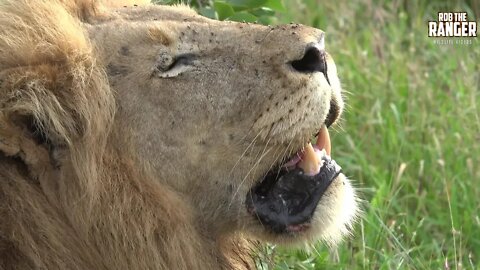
<point x="286" y="198"/>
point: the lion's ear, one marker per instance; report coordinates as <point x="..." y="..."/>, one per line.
<point x="33" y="112"/>
<point x="21" y="139"/>
<point x="54" y="93"/>
<point x="37" y="119"/>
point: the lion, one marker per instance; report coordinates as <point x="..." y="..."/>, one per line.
<point x="142" y="136"/>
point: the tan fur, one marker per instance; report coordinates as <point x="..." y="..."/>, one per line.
<point x="107" y="162"/>
<point x="159" y="36"/>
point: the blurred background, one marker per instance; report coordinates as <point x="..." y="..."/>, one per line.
<point x="409" y="138"/>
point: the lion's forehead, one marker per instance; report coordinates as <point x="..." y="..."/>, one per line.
<point x="179" y="13"/>
<point x="186" y="26"/>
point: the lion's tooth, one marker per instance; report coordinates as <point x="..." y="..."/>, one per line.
<point x="323" y="140"/>
<point x="311" y="162"/>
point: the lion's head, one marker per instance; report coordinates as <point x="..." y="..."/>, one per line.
<point x="219" y="113"/>
<point x="217" y="108"/>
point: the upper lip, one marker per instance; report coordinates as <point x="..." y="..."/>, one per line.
<point x="333" y="113"/>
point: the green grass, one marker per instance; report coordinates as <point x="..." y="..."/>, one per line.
<point x="410" y="137"/>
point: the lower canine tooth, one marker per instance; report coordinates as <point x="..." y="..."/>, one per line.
<point x="311" y="162"/>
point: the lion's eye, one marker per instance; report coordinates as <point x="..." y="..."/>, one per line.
<point x="167" y="66"/>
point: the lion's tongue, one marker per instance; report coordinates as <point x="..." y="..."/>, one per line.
<point x="311" y="157"/>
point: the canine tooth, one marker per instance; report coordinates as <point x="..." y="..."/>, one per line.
<point x="311" y="162"/>
<point x="323" y="140"/>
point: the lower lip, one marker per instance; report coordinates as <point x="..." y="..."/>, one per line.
<point x="298" y="228"/>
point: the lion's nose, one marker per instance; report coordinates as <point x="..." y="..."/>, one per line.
<point x="314" y="60"/>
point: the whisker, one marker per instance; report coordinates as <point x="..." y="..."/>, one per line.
<point x="283" y="154"/>
<point x="262" y="155"/>
<point x="252" y="143"/>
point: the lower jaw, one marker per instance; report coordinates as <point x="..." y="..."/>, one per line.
<point x="287" y="203"/>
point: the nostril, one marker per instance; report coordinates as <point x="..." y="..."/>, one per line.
<point x="313" y="61"/>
